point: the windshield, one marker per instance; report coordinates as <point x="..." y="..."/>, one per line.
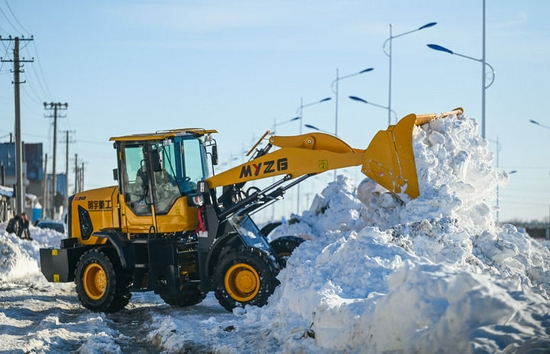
<point x="193" y="155"/>
<point x="160" y="172"/>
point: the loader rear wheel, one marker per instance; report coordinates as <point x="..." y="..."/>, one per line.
<point x="284" y="246"/>
<point x="187" y="298"/>
<point x="101" y="284"/>
<point x="244" y="277"/>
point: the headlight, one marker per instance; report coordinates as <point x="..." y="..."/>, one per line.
<point x="196" y="200"/>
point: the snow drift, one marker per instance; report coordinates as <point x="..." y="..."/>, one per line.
<point x="429" y="275"/>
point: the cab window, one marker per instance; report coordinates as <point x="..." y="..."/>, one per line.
<point x="194" y="171"/>
<point x="134" y="182"/>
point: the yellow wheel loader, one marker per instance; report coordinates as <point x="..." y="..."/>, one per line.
<point x="172" y="227"/>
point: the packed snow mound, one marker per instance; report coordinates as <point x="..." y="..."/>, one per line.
<point x="15" y="261"/>
<point x="383" y="275"/>
<point x="455" y="174"/>
<point x="20" y="258"/>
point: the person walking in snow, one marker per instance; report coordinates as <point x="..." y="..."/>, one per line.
<point x="23" y="229"/>
<point x="13" y="224"/>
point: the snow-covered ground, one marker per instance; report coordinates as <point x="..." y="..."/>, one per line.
<point x="433" y="275"/>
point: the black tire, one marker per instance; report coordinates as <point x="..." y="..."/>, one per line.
<point x="284" y="246"/>
<point x="101" y="283"/>
<point x="244" y="277"/>
<point x="188" y="298"/>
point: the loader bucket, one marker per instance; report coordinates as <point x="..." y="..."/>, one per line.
<point x="389" y="159"/>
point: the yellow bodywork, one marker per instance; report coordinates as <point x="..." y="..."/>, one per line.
<point x="388" y="160"/>
<point x="102" y="207"/>
<point x="104" y="204"/>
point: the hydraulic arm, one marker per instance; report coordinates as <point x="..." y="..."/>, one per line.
<point x="389" y="158"/>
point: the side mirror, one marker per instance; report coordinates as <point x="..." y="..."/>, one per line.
<point x="215" y="159"/>
<point x="115" y="174"/>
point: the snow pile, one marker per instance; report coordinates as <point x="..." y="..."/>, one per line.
<point x="425" y="276"/>
<point x="44" y="326"/>
<point x="19" y="258"/>
<point x="15" y="260"/>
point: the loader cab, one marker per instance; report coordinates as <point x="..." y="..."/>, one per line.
<point x="154" y="173"/>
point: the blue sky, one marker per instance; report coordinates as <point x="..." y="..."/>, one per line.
<point x="240" y="66"/>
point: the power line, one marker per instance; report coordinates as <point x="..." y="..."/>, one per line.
<point x="104" y="143"/>
<point x="3" y="30"/>
<point x="15" y="17"/>
<point x="7" y="48"/>
<point x="40" y="94"/>
<point x="66" y="192"/>
<point x="7" y="19"/>
<point x="45" y="88"/>
<point x="36" y="96"/>
<point x="39" y="75"/>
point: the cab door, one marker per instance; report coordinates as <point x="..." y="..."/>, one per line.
<point x="135" y="204"/>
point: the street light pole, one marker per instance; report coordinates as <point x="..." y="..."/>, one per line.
<point x="484" y="86"/>
<point x="546" y="127"/>
<point x="497" y="142"/>
<point x="300" y="111"/>
<point x="334" y="88"/>
<point x="315" y="128"/>
<point x="483" y="77"/>
<point x="498" y="187"/>
<point x="539" y="124"/>
<point x="387" y="48"/>
<point x="359" y="99"/>
<point x="483" y="62"/>
<point x="275" y="124"/>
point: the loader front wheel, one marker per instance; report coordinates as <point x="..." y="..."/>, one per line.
<point x="284" y="246"/>
<point x="244" y="277"/>
<point x="101" y="284"/>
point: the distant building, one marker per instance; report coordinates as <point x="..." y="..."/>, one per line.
<point x="33" y="177"/>
<point x="32" y="207"/>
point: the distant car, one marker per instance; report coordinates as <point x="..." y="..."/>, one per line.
<point x="53" y="225"/>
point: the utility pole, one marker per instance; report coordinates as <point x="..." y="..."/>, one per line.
<point x="81" y="186"/>
<point x="76" y="178"/>
<point x="55" y="107"/>
<point x="45" y="197"/>
<point x="19" y="187"/>
<point x="66" y="199"/>
<point x="66" y="192"/>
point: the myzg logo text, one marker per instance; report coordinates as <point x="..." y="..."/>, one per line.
<point x="267" y="167"/>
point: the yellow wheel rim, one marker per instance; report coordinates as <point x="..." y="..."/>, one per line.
<point x="242" y="282"/>
<point x="95" y="281"/>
